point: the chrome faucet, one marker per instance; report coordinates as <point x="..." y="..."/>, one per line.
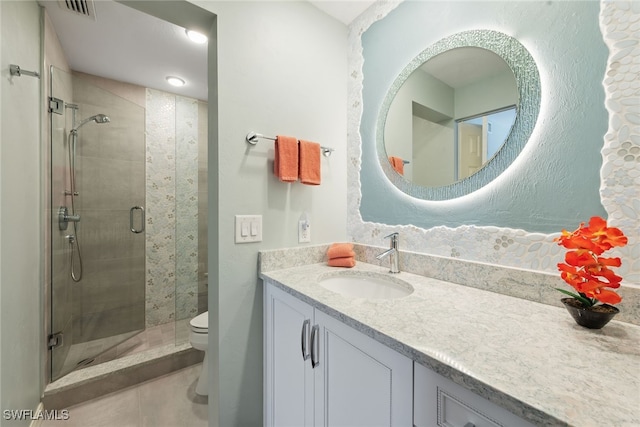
<point x="392" y="253"/>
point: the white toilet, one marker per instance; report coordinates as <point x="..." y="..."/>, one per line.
<point x="199" y="338"/>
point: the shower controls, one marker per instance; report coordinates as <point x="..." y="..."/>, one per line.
<point x="64" y="218"/>
<point x="71" y="238"/>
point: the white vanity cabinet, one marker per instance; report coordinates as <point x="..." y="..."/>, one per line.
<point x="321" y="372"/>
<point x="439" y="401"/>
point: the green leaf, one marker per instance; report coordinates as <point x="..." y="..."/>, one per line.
<point x="583" y="300"/>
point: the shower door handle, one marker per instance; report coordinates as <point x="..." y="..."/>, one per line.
<point x="133" y="229"/>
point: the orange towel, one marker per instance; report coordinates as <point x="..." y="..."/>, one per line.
<point x="309" y="162"/>
<point x="285" y="162"/>
<point x="347" y="262"/>
<point x="340" y="250"/>
<point x="397" y="164"/>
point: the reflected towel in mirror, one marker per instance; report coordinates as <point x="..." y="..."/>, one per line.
<point x="398" y="164"/>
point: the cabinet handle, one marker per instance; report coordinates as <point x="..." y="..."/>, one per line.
<point x="303" y="339"/>
<point x="314" y="343"/>
<point x="469" y="424"/>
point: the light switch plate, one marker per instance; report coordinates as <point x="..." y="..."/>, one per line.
<point x="248" y="228"/>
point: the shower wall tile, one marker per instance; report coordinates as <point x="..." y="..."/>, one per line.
<point x="203" y="205"/>
<point x="173" y="220"/>
<point x="186" y="207"/>
<point x="161" y="213"/>
<point x="107" y="183"/>
<point x="133" y="93"/>
<point x="122" y="138"/>
<point x="109" y="283"/>
<point x="107" y="323"/>
<point x="110" y="163"/>
<point x="202" y="248"/>
<point x="106" y="235"/>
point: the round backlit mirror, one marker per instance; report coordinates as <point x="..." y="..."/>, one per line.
<point x="458" y="115"/>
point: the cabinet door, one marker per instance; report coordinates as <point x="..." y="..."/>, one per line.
<point x="359" y="382"/>
<point x="441" y="402"/>
<point x="288" y="378"/>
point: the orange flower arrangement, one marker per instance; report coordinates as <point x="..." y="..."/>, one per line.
<point x="584" y="269"/>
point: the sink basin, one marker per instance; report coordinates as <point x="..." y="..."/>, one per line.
<point x="367" y="286"/>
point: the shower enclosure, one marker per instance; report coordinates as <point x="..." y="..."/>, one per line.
<point x="128" y="221"/>
<point x="97" y="229"/>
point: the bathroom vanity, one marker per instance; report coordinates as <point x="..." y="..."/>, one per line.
<point x="443" y="354"/>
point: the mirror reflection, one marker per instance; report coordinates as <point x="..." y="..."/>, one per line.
<point x="451" y="116"/>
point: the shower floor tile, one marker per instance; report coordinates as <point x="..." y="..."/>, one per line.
<point x="153" y="337"/>
<point x="167" y="401"/>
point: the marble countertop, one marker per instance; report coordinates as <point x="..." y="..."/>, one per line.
<point x="530" y="358"/>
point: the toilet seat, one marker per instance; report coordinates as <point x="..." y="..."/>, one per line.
<point x="200" y="323"/>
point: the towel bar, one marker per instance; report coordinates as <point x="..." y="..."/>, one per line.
<point x="252" y="138"/>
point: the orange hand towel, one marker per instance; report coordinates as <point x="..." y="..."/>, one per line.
<point x="397" y="164"/>
<point x="309" y="162"/>
<point x="340" y="250"/>
<point x="285" y="162"/>
<point x="347" y="262"/>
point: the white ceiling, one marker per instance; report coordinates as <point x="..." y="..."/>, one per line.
<point x="465" y="65"/>
<point x="343" y="11"/>
<point x="127" y="45"/>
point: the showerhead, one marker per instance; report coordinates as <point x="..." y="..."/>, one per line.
<point x="98" y="118"/>
<point x="101" y="118"/>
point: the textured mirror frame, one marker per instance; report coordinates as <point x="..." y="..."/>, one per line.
<point x="528" y="81"/>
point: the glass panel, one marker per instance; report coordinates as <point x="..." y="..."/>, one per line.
<point x="177" y="211"/>
<point x="98" y="285"/>
<point x="186" y="214"/>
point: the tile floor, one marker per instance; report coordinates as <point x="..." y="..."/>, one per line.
<point x="167" y="401"/>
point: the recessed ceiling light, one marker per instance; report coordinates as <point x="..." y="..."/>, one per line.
<point x="175" y="81"/>
<point x="196" y="37"/>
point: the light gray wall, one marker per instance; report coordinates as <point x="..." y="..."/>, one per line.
<point x="433" y="158"/>
<point x="490" y="94"/>
<point x="21" y="242"/>
<point x="282" y="69"/>
<point x="555" y="181"/>
<point x="398" y="132"/>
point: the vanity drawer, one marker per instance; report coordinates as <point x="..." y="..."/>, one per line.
<point x="438" y="401"/>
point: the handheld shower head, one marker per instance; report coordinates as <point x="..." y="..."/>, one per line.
<point x="101" y="118"/>
<point x="98" y="118"/>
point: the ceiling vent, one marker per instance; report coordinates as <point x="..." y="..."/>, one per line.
<point x="79" y="7"/>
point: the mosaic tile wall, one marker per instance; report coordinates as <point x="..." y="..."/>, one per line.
<point x="186" y="207"/>
<point x="620" y="173"/>
<point x="172" y="194"/>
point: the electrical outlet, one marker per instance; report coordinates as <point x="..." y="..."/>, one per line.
<point x="304" y="231"/>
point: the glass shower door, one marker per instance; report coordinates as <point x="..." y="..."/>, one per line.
<point x="97" y="229"/>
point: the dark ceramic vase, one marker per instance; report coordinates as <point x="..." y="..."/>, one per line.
<point x="586" y="317"/>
